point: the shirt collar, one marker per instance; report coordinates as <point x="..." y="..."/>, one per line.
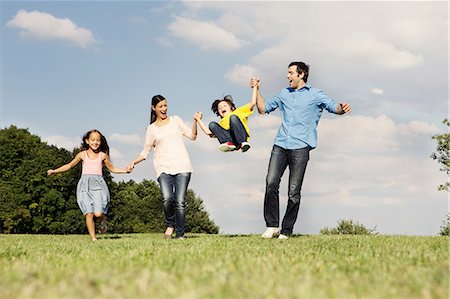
<point x="307" y="86"/>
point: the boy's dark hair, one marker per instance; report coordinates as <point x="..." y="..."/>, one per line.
<point x="301" y="68"/>
<point x="104" y="147"/>
<point x="215" y="104"/>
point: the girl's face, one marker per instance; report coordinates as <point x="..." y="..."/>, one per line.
<point x="161" y="110"/>
<point x="224" y="108"/>
<point x="94" y="141"/>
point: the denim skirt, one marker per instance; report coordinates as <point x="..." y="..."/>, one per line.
<point x="92" y="194"/>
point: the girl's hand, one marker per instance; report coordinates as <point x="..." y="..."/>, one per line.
<point x="130" y="167"/>
<point x="50" y="172"/>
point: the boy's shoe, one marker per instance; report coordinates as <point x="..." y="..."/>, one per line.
<point x="103" y="227"/>
<point x="245" y="146"/>
<point x="283" y="237"/>
<point x="271" y="232"/>
<point x="227" y="147"/>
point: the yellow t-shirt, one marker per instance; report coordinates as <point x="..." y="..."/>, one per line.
<point x="242" y="112"/>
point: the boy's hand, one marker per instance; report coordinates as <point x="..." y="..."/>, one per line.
<point x="198" y="116"/>
<point x="254" y="81"/>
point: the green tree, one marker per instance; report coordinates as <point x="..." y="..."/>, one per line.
<point x="32" y="202"/>
<point x="442" y="154"/>
<point x="197" y="218"/>
<point x="137" y="207"/>
<point x="348" y="227"/>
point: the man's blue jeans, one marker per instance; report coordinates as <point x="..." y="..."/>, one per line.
<point x="280" y="158"/>
<point x="173" y="190"/>
<point x="236" y="134"/>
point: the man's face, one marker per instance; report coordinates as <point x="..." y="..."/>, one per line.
<point x="294" y="78"/>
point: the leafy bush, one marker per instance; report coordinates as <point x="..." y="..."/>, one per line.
<point x="348" y="227"/>
<point x="445" y="228"/>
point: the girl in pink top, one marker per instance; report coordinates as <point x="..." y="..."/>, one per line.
<point x="92" y="191"/>
<point x="171" y="162"/>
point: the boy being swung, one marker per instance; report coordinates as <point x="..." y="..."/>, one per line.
<point x="232" y="130"/>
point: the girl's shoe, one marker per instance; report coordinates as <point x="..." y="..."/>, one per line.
<point x="103" y="227"/>
<point x="245" y="146"/>
<point x="227" y="147"/>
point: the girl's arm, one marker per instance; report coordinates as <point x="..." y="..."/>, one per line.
<point x="112" y="168"/>
<point x="67" y="166"/>
<point x="205" y="129"/>
<point x="138" y="160"/>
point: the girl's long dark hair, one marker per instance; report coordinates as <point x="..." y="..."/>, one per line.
<point x="104" y="147"/>
<point x="155" y="100"/>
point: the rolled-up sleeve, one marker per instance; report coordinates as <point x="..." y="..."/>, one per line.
<point x="325" y="102"/>
<point x="273" y="103"/>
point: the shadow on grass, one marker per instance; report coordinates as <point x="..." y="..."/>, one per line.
<point x="106" y="237"/>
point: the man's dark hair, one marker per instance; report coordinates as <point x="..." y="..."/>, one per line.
<point x="301" y="68"/>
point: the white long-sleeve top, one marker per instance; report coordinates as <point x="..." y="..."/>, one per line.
<point x="170" y="154"/>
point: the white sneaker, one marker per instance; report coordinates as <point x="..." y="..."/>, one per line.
<point x="283" y="237"/>
<point x="271" y="232"/>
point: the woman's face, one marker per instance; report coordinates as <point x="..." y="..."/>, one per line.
<point x="161" y="110"/>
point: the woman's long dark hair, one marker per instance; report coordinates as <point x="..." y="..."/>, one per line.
<point x="155" y="100"/>
<point x="104" y="147"/>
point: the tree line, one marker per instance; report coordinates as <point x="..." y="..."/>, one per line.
<point x="32" y="202"/>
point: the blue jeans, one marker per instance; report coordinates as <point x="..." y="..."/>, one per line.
<point x="173" y="191"/>
<point x="236" y="134"/>
<point x="280" y="158"/>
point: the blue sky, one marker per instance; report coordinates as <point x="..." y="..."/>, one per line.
<point x="67" y="67"/>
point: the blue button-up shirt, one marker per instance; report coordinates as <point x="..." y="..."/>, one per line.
<point x="300" y="113"/>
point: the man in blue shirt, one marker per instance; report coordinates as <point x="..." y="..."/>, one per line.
<point x="300" y="106"/>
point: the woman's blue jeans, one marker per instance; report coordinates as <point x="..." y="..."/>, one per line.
<point x="280" y="158"/>
<point x="173" y="191"/>
<point x="236" y="134"/>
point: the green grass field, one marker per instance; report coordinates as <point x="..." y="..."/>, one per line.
<point x="223" y="266"/>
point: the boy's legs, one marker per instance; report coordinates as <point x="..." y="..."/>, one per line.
<point x="221" y="134"/>
<point x="237" y="130"/>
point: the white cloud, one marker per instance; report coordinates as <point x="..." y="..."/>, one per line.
<point x="380" y="52"/>
<point x="44" y="26"/>
<point x="206" y="35"/>
<point x="241" y="74"/>
<point x="65" y="142"/>
<point x="377" y="91"/>
<point x="361" y="163"/>
<point x="126" y="139"/>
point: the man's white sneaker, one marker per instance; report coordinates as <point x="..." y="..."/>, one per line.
<point x="283" y="237"/>
<point x="271" y="232"/>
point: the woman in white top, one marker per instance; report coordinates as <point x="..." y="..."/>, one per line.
<point x="171" y="162"/>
